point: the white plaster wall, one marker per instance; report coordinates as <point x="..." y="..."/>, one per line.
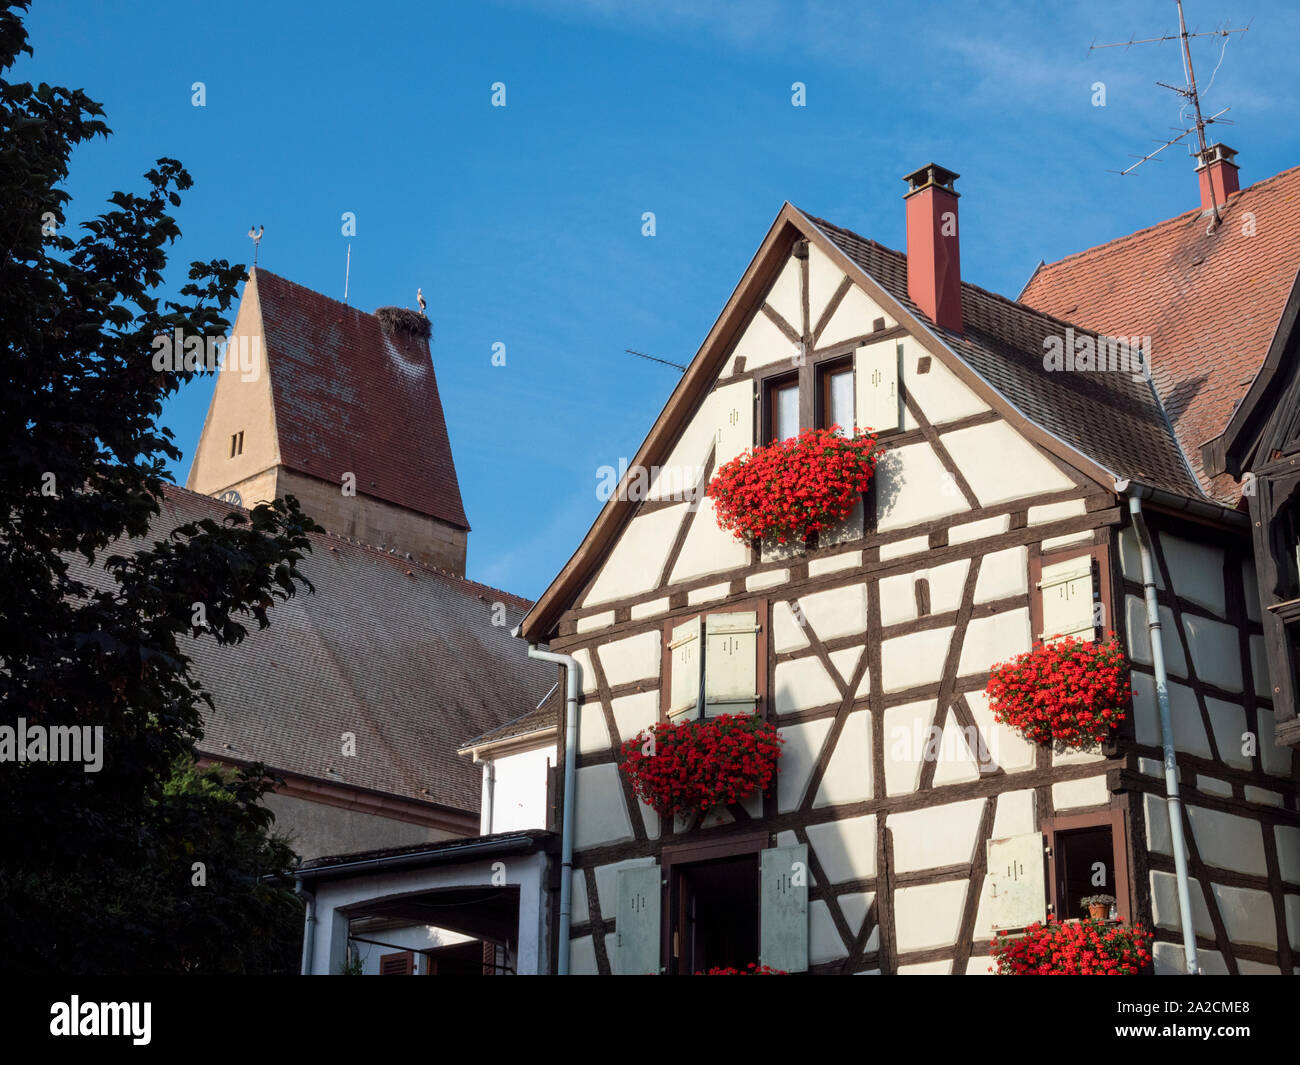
<point x="631" y="659"/>
<point x="1002" y="574"/>
<point x="707" y="549"/>
<point x="636" y="562"/>
<point x="801" y="684"/>
<point x="836" y="611"/>
<point x="519" y="791"/>
<point x="848" y="774"/>
<point x="928" y="915"/>
<point x="909" y="488"/>
<point x="938" y="392"/>
<point x="1228" y="841"/>
<point x="934" y="837"/>
<point x="914" y="660"/>
<point x="994" y="639"/>
<point x="802" y="745"/>
<point x="600" y="814"/>
<point x="846" y="849"/>
<point x="1000" y="465"/>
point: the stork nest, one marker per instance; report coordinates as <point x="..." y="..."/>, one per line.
<point x="395" y="319"/>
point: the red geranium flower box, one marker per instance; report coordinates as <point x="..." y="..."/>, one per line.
<point x="792" y="488"/>
<point x="681" y="767"/>
<point x="1074" y="948"/>
<point x="1070" y="693"/>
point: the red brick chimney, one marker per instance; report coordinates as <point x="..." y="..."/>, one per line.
<point x="933" y="257"/>
<point x="1218" y="174"/>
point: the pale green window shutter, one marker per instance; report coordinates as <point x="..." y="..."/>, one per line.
<point x="731" y="663"/>
<point x="684" y="651"/>
<point x="1066" y="589"/>
<point x="636" y="922"/>
<point x="783" y="908"/>
<point x="733" y="415"/>
<point x="875" y="375"/>
<point x="1017" y="881"/>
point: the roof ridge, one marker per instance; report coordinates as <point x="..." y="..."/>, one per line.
<point x="1023" y="307"/>
<point x="371" y="548"/>
<point x="1115" y="241"/>
<point x="294" y="284"/>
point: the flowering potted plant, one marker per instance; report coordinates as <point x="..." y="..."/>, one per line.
<point x="687" y="766"/>
<point x="1074" y="948"/>
<point x="1070" y="693"/>
<point x="1098" y="906"/>
<point x="752" y="969"/>
<point x="792" y="488"/>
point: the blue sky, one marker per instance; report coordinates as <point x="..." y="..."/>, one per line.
<point x="523" y="223"/>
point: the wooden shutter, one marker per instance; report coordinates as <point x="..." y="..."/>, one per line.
<point x="1066" y="592"/>
<point x="875" y="375"/>
<point x="684" y="650"/>
<point x="732" y="409"/>
<point x="400" y="964"/>
<point x="1017" y="881"/>
<point x="783" y="908"/>
<point x="636" y="922"/>
<point x="731" y="663"/>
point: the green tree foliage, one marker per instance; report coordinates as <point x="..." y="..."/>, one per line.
<point x="96" y="868"/>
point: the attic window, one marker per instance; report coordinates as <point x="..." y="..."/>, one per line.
<point x="237" y="444"/>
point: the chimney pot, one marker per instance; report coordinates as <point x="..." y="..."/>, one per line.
<point x="1218" y="175"/>
<point x="933" y="247"/>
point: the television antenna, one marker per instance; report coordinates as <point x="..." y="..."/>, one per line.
<point x="1188" y="92"/>
<point x="655" y="358"/>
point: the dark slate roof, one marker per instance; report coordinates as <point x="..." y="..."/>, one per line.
<point x="403" y="655"/>
<point x="1210" y="302"/>
<point x="353" y="397"/>
<point x="1112" y="418"/>
<point x="546" y="715"/>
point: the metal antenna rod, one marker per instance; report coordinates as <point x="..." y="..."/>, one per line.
<point x="655" y="358"/>
<point x="347" y="273"/>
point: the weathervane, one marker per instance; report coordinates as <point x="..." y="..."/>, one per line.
<point x="255" y="232"/>
<point x="1188" y="92"/>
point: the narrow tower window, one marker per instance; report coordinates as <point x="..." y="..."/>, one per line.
<point x="237" y="444"/>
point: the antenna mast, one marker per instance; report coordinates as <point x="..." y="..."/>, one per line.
<point x="347" y="273"/>
<point x="1188" y="92"/>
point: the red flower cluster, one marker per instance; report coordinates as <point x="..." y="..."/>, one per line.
<point x="794" y="487"/>
<point x="751" y="969"/>
<point x="1071" y="692"/>
<point x="1075" y="948"/>
<point x="697" y="765"/>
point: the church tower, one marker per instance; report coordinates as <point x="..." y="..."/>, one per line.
<point x="339" y="408"/>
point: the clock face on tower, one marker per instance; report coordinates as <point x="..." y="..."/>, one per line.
<point x="231" y="496"/>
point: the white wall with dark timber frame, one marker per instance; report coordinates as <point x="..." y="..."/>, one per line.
<point x="872" y="648"/>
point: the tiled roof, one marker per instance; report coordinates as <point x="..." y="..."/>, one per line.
<point x="546" y="715"/>
<point x="353" y="397"/>
<point x="1209" y="302"/>
<point x="402" y="655"/>
<point x="1113" y="418"/>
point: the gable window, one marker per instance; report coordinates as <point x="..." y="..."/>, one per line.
<point x="715" y="664"/>
<point x="781" y="408"/>
<point x="237" y="443"/>
<point x="835" y="394"/>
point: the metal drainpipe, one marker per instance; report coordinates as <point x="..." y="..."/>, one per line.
<point x="1175" y="802"/>
<point x="309" y="927"/>
<point x="572" y="678"/>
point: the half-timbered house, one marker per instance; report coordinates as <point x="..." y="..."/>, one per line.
<point x="1025" y="493"/>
